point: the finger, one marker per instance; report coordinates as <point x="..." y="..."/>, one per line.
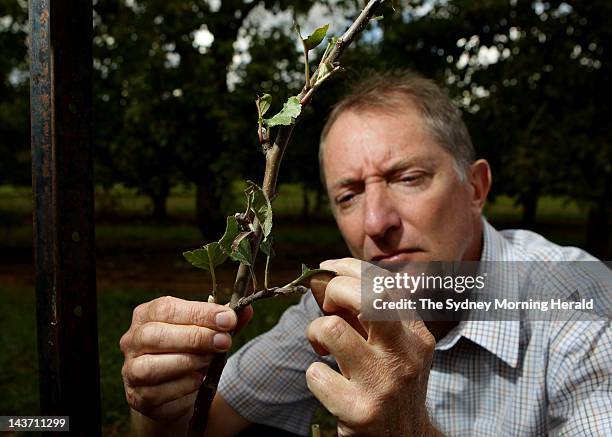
<point x="333" y="390"/>
<point x="146" y="399"/>
<point x="332" y="334"/>
<point x="344" y="266"/>
<point x="175" y="410"/>
<point x="156" y="337"/>
<point x="343" y="298"/>
<point x="343" y="292"/>
<point x="152" y="369"/>
<point x="170" y="309"/>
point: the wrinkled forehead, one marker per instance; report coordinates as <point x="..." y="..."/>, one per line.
<point x="385" y="104"/>
<point x="374" y="139"/>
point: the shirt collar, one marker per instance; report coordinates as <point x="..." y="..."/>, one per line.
<point x="501" y="338"/>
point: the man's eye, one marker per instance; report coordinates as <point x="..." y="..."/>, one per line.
<point x="411" y="179"/>
<point x="345" y="198"/>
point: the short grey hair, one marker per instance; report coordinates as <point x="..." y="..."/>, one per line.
<point x="391" y="91"/>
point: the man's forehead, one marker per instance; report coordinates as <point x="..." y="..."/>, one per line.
<point x="373" y="128"/>
<point x="376" y="140"/>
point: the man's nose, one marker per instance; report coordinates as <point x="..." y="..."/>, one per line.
<point x="380" y="214"/>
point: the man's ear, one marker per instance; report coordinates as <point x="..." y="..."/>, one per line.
<point x="480" y="180"/>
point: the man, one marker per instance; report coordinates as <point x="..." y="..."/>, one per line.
<point x="400" y="172"/>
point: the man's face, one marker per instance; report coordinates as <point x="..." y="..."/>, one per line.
<point x="396" y="195"/>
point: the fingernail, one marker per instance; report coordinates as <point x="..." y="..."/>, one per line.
<point x="222" y="341"/>
<point x="313" y="372"/>
<point x="225" y="320"/>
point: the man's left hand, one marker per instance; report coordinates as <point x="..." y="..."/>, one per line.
<point x="384" y="366"/>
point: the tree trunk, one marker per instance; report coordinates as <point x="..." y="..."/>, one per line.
<point x="159" y="199"/>
<point x="305" y="203"/>
<point x="318" y="211"/>
<point x="209" y="217"/>
<point x="529" y="202"/>
<point x="598" y="232"/>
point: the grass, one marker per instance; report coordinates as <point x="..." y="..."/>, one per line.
<point x="18" y="360"/>
<point x="127" y="202"/>
<point x="550" y="209"/>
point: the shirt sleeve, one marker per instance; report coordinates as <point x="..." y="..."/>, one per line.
<point x="265" y="380"/>
<point x="580" y="379"/>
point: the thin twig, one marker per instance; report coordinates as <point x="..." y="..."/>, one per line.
<point x="353" y="31"/>
<point x="268" y="292"/>
<point x="306" y="65"/>
<point x="260" y="120"/>
<point x="274" y="155"/>
<point x="306" y="99"/>
<point x="266" y="271"/>
<point x="254" y="278"/>
<point x="212" y="274"/>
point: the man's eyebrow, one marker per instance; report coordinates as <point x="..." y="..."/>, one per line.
<point x="345" y="182"/>
<point x="407" y="162"/>
<point x="400" y="165"/>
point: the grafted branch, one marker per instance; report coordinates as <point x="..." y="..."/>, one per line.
<point x="274" y="157"/>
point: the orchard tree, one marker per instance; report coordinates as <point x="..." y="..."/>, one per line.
<point x="14" y="94"/>
<point x="529" y="77"/>
<point x="547" y="109"/>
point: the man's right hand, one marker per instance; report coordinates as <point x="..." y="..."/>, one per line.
<point x="168" y="349"/>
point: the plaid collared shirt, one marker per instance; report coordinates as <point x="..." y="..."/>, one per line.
<point x="502" y="378"/>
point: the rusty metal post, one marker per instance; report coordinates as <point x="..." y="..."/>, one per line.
<point x="62" y="181"/>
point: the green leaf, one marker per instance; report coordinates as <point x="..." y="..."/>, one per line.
<point x="264" y="103"/>
<point x="241" y="249"/>
<point x="286" y="117"/>
<point x="266" y="247"/>
<point x="325" y="69"/>
<point x="378" y="17"/>
<point x="200" y="257"/>
<point x="316" y="37"/>
<point x="231" y="232"/>
<point x="307" y="273"/>
<point x="261" y="207"/>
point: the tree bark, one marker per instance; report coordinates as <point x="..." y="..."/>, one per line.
<point x="160" y="212"/>
<point x="305" y="203"/>
<point x="598" y="229"/>
<point x="529" y="202"/>
<point x="318" y="210"/>
<point x="159" y="199"/>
